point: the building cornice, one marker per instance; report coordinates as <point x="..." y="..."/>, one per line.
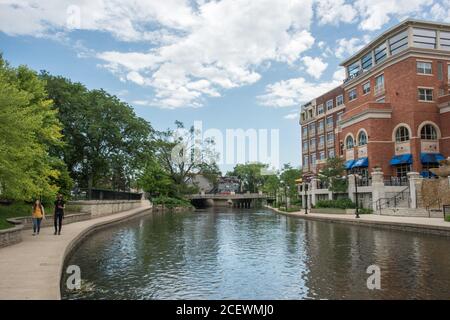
<point x="367" y="114"/>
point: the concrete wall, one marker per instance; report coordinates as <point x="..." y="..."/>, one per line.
<point x="11" y="236"/>
<point x="98" y="208"/>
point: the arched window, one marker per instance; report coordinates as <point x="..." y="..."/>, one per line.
<point x="402" y="134"/>
<point x="349" y="142"/>
<point x="362" y="138"/>
<point x="428" y="132"/>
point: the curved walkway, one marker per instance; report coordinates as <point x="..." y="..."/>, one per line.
<point x="32" y="268"/>
<point x="424" y="225"/>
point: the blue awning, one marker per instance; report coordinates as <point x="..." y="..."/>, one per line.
<point x="361" y="163"/>
<point x="431" y="157"/>
<point x="349" y="164"/>
<point x="401" y="159"/>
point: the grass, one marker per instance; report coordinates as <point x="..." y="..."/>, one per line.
<point x="291" y="209"/>
<point x="14" y="210"/>
<point x="447" y="218"/>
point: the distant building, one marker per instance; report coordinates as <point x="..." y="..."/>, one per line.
<point x="392" y="111"/>
<point x="228" y="185"/>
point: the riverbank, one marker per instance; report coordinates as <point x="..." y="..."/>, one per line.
<point x="435" y="226"/>
<point x="32" y="269"/>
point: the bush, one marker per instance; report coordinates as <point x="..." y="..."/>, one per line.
<point x="365" y="211"/>
<point x="447" y="218"/>
<point x="336" y="204"/>
<point x="170" y="203"/>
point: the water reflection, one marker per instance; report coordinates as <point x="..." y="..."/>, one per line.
<point x="227" y="254"/>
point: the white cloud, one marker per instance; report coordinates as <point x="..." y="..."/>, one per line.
<point x="297" y="91"/>
<point x="375" y="14"/>
<point x="291" y="116"/>
<point x="347" y="47"/>
<point x="441" y="11"/>
<point x="224" y="49"/>
<point x="335" y="11"/>
<point x="314" y="66"/>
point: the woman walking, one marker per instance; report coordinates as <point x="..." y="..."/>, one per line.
<point x="37" y="216"/>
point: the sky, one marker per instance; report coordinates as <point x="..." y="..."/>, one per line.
<point x="231" y="64"/>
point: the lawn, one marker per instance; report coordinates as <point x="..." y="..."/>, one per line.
<point x="11" y="211"/>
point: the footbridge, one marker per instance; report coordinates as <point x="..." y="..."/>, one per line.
<point x="241" y="200"/>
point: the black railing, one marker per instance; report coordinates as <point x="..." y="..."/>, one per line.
<point x="364" y="182"/>
<point x="104" y="194"/>
<point x="396" y="181"/>
<point x="394" y="201"/>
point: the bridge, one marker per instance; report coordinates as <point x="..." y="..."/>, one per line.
<point x="240" y="200"/>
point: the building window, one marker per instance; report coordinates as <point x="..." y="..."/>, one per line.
<point x="349" y="143"/>
<point x="366" y="88"/>
<point x="330" y="122"/>
<point x="440" y="70"/>
<point x="445" y="40"/>
<point x="424" y="67"/>
<point x="312" y="143"/>
<point x="312" y="129"/>
<point x="380" y="53"/>
<point x="402" y="134"/>
<point x="339" y="100"/>
<point x="402" y="170"/>
<point x="329" y="104"/>
<point x="362" y="138"/>
<point x="305" y="132"/>
<point x="352" y="94"/>
<point x="428" y="132"/>
<point x="313" y="159"/>
<point x="353" y="69"/>
<point x="379" y="84"/>
<point x="424" y="38"/>
<point x="320" y="126"/>
<point x="320" y="109"/>
<point x="425" y="94"/>
<point x="331" y="153"/>
<point x="330" y="137"/>
<point x="306" y="161"/>
<point x="322" y="155"/>
<point x="366" y="61"/>
<point x="321" y="141"/>
<point x="398" y="42"/>
<point x="339" y="116"/>
<point x="305" y="146"/>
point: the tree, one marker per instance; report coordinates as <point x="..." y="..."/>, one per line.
<point x="289" y="175"/>
<point x="155" y="180"/>
<point x="250" y="175"/>
<point x="182" y="157"/>
<point x="106" y="144"/>
<point x="29" y="128"/>
<point x="332" y="173"/>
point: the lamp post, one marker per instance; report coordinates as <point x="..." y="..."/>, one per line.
<point x="306" y="198"/>
<point x="356" y="196"/>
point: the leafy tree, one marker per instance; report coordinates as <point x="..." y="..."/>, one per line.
<point x="250" y="175"/>
<point x="155" y="180"/>
<point x="29" y="128"/>
<point x="106" y="144"/>
<point x="332" y="173"/>
<point x="288" y="176"/>
<point x="182" y="157"/>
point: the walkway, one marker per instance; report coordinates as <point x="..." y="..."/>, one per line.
<point x="416" y="224"/>
<point x="32" y="268"/>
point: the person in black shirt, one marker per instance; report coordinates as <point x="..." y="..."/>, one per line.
<point x="59" y="213"/>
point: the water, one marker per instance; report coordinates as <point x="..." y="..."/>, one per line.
<point x="226" y="254"/>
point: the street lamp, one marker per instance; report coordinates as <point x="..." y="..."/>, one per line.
<point x="356" y="195"/>
<point x="306" y="198"/>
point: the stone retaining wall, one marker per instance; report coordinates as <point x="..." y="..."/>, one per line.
<point x="11" y="236"/>
<point x="98" y="208"/>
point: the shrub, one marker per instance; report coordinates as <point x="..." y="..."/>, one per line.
<point x="447" y="218"/>
<point x="170" y="203"/>
<point x="365" y="211"/>
<point x="336" y="204"/>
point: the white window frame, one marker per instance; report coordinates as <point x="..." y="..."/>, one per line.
<point x="352" y="97"/>
<point x="422" y="70"/>
<point x="364" y="87"/>
<point x="426" y="95"/>
<point x="341" y="98"/>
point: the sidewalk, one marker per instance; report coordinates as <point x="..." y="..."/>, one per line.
<point x="424" y="225"/>
<point x="32" y="268"/>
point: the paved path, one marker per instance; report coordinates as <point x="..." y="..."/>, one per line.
<point x="32" y="268"/>
<point x="426" y="225"/>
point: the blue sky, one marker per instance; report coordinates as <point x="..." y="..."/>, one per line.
<point x="231" y="63"/>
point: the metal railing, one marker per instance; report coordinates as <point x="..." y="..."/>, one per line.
<point x="396" y="181"/>
<point x="394" y="201"/>
<point x="104" y="194"/>
<point x="364" y="182"/>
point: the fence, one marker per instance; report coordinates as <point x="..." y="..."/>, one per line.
<point x="103" y="194"/>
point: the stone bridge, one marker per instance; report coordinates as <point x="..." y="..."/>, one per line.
<point x="242" y="200"/>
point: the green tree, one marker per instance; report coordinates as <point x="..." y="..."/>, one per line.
<point x="250" y="175"/>
<point x="155" y="180"/>
<point x="332" y="173"/>
<point x="29" y="128"/>
<point x="289" y="175"/>
<point x="106" y="144"/>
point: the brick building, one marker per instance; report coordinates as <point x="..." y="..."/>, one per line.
<point x="394" y="106"/>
